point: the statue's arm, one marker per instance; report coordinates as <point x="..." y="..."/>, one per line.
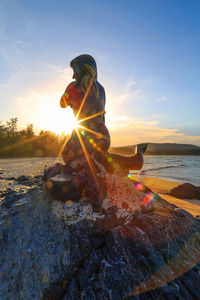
<point x="70" y="95"/>
<point x="64" y="100"/>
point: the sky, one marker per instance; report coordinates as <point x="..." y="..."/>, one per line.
<point x="147" y="54"/>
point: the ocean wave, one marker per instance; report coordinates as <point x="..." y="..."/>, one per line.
<point x="163" y="167"/>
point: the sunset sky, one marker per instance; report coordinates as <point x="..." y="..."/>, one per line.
<point x="147" y="54"/>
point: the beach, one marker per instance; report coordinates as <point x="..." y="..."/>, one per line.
<point x="163" y="187"/>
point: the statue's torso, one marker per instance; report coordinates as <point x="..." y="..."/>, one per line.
<point x="94" y="103"/>
<point x="92" y="113"/>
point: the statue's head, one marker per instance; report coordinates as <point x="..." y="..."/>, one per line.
<point x="84" y="65"/>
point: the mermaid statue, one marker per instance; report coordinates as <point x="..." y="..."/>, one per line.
<point x="86" y="97"/>
<point x="88" y="145"/>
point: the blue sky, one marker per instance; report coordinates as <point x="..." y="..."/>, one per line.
<point x="147" y="54"/>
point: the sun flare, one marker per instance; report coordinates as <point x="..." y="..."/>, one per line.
<point x="53" y="118"/>
<point x="66" y="123"/>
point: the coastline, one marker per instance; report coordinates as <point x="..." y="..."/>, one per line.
<point x="163" y="187"/>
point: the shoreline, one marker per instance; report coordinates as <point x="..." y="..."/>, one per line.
<point x="163" y="187"/>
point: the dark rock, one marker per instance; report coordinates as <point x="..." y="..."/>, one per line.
<point x="95" y="190"/>
<point x="23" y="178"/>
<point x="62" y="187"/>
<point x="186" y="191"/>
<point x="52" y="250"/>
<point x="52" y="171"/>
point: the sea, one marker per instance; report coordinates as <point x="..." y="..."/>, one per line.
<point x="184" y="168"/>
<point x="174" y="168"/>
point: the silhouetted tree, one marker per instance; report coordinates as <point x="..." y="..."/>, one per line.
<point x="25" y="143"/>
<point x="12" y="126"/>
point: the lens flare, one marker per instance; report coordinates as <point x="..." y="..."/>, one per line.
<point x="149" y="198"/>
<point x="139" y="186"/>
<point x="69" y="202"/>
<point x="49" y="185"/>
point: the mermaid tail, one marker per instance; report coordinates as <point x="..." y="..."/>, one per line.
<point x="134" y="162"/>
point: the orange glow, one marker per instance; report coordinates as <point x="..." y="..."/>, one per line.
<point x="61" y="149"/>
<point x="18" y="144"/>
<point x="88" y="158"/>
<point x="60" y="120"/>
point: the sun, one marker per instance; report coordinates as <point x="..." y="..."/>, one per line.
<point x="64" y="121"/>
<point x="53" y="118"/>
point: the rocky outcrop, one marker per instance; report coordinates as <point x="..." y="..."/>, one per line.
<point x="137" y="246"/>
<point x="186" y="191"/>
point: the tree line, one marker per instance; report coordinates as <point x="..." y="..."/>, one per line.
<point x="25" y="143"/>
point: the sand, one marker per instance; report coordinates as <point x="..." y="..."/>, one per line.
<point x="163" y="187"/>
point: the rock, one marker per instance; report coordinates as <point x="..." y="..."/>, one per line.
<point x="62" y="187"/>
<point x="69" y="182"/>
<point x="52" y="171"/>
<point x="23" y="178"/>
<point x="186" y="191"/>
<point x="130" y="249"/>
<point x="10" y="178"/>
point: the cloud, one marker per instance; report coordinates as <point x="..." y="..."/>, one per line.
<point x="130" y="128"/>
<point x="120" y="98"/>
<point x="123" y="137"/>
<point x="162" y="99"/>
<point x="132" y="131"/>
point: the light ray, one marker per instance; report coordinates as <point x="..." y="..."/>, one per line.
<point x="19" y="144"/>
<point x="163" y="273"/>
<point x="88" y="159"/>
<point x="85" y="97"/>
<point x="61" y="149"/>
<point x="94" y="132"/>
<point x="92" y="116"/>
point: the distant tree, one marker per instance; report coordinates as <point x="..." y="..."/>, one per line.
<point x="12" y="126"/>
<point x="2" y="135"/>
<point x="29" y="131"/>
<point x="2" y="129"/>
<point x="24" y="143"/>
<point x="42" y="132"/>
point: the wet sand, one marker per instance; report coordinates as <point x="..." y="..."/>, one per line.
<point x="162" y="188"/>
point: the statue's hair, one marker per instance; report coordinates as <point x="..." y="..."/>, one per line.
<point x="87" y="65"/>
